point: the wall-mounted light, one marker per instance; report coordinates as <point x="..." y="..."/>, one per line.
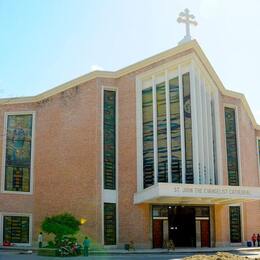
<point x="82" y="221"/>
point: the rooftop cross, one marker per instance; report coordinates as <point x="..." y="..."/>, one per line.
<point x="188" y="19"/>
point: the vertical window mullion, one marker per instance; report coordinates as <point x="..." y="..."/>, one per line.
<point x="195" y="141"/>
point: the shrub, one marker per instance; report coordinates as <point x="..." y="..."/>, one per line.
<point x="60" y="225"/>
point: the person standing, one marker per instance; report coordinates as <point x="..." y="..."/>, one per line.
<point x="254" y="239"/>
<point x="258" y="239"/>
<point x="86" y="244"/>
<point x="40" y="239"/>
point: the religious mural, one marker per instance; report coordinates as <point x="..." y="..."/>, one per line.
<point x="175" y="130"/>
<point x="231" y="143"/>
<point x="148" y="152"/>
<point x="109" y="140"/>
<point x="16" y="229"/>
<point x="18" y="153"/>
<point x="161" y="133"/>
<point x="259" y="152"/>
<point x="235" y="224"/>
<point x="187" y="127"/>
<point x="109" y="223"/>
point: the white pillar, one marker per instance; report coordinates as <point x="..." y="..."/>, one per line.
<point x="205" y="133"/>
<point x="194" y="125"/>
<point x="201" y="134"/>
<point x="210" y="143"/>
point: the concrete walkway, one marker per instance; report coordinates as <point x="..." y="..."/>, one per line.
<point x="150" y="251"/>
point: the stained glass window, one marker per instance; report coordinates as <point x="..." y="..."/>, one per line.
<point x="231" y="143"/>
<point x="18" y="153"/>
<point x="175" y="131"/>
<point x="235" y="224"/>
<point x="110" y="224"/>
<point x="148" y="153"/>
<point x="259" y="152"/>
<point x="187" y="127"/>
<point x="161" y="133"/>
<point x="16" y="229"/>
<point x="110" y="140"/>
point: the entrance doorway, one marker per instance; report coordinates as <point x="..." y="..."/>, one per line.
<point x="186" y="226"/>
<point x="182" y="229"/>
<point x="205" y="234"/>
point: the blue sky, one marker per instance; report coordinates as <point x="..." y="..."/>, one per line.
<point x="44" y="43"/>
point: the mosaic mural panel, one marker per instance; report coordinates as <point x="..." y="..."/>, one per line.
<point x="259" y="151"/>
<point x="161" y="133"/>
<point x="187" y="127"/>
<point x="235" y="224"/>
<point x="176" y="164"/>
<point x="148" y="153"/>
<point x="18" y="153"/>
<point x="231" y="143"/>
<point x="16" y="229"/>
<point x="110" y="223"/>
<point x="109" y="140"/>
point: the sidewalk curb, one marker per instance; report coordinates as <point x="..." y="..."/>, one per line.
<point x="147" y="251"/>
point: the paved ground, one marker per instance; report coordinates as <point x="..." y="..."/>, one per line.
<point x="14" y="255"/>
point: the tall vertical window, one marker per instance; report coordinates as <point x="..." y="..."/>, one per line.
<point x="161" y="133"/>
<point x="16" y="229"/>
<point x="258" y="146"/>
<point x="187" y="127"/>
<point x="235" y="224"/>
<point x="109" y="223"/>
<point x="148" y="152"/>
<point x="18" y="152"/>
<point x="175" y="130"/>
<point x="231" y="143"/>
<point x="109" y="139"/>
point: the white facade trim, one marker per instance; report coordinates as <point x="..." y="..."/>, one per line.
<point x="218" y="140"/>
<point x="3" y="214"/>
<point x="196" y="194"/>
<point x="195" y="133"/>
<point x="169" y="66"/>
<point x="33" y="113"/>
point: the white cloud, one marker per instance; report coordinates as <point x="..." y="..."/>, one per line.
<point x="95" y="67"/>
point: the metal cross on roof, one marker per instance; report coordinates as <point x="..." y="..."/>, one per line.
<point x="188" y="19"/>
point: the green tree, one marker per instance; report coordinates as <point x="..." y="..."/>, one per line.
<point x="61" y="225"/>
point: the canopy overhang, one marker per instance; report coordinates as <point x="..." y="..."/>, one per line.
<point x="195" y="194"/>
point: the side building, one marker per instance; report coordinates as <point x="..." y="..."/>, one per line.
<point x="156" y="151"/>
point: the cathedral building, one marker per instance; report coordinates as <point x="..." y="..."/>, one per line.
<point x="157" y="151"/>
